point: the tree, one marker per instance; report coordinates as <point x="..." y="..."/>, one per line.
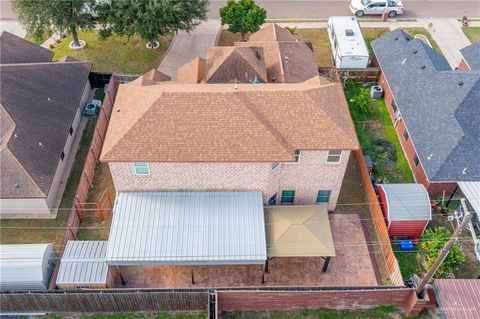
<point x="150" y="19"/>
<point x="42" y="16"/>
<point x="431" y="244"/>
<point x="243" y="16"/>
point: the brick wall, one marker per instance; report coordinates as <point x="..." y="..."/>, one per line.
<point x="463" y="66"/>
<point x="434" y="189"/>
<point x="307" y="177"/>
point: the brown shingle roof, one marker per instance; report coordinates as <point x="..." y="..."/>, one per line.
<point x="41" y="100"/>
<point x="287" y="60"/>
<point x="152" y="77"/>
<point x="14" y="49"/>
<point x="217" y="123"/>
<point x="192" y="72"/>
<point x="230" y="64"/>
<point x="272" y="32"/>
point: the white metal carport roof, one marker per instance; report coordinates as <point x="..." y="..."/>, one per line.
<point x="471" y="190"/>
<point x="83" y="263"/>
<point x="187" y="228"/>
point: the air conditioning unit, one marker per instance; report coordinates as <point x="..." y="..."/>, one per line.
<point x="376" y="92"/>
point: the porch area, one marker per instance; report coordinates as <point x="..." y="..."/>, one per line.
<point x="352" y="265"/>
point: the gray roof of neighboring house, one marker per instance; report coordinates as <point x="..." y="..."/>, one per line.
<point x="187" y="228"/>
<point x="83" y="263"/>
<point x="471" y="54"/>
<point x="14" y="49"/>
<point x="439" y="106"/>
<point x="407" y="202"/>
<point x="40" y="101"/>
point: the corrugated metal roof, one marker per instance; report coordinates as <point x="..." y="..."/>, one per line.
<point x="471" y="190"/>
<point x="83" y="263"/>
<point x="187" y="228"/>
<point x="298" y="231"/>
<point x="26" y="267"/>
<point x="407" y="202"/>
<point x="458" y="298"/>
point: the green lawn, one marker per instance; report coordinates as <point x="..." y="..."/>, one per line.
<point x="384" y="312"/>
<point x="114" y="54"/>
<point x="370" y="34"/>
<point x="408" y="262"/>
<point x="27" y="231"/>
<point x="423" y="31"/>
<point x="472" y="33"/>
<point x="377" y="126"/>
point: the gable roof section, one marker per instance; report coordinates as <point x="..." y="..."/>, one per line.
<point x="152" y="77"/>
<point x="471" y="55"/>
<point x="272" y="32"/>
<point x="192" y="72"/>
<point x="439" y="106"/>
<point x="230" y="64"/>
<point x="41" y="100"/>
<point x="14" y="49"/>
<point x="218" y="123"/>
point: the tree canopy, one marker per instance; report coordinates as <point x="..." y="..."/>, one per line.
<point x="57" y="15"/>
<point x="150" y="19"/>
<point x="244" y="16"/>
<point x="431" y="244"/>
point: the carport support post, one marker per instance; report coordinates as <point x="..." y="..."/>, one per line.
<point x="265" y="270"/>
<point x="325" y="264"/>
<point x="121" y="277"/>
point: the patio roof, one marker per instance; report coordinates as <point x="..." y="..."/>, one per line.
<point x="187" y="228"/>
<point x="298" y="231"/>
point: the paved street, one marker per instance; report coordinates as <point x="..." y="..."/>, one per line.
<point x="321" y="9"/>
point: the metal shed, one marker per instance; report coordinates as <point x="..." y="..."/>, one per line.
<point x="406" y="208"/>
<point x="26" y="267"/>
<point x="84" y="265"/>
<point x="187" y="228"/>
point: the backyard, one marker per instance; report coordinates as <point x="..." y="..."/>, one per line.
<point x="472" y="33"/>
<point x="114" y="54"/>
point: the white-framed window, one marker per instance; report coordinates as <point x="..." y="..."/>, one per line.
<point x="275" y="165"/>
<point x="334" y="156"/>
<point x="141" y="168"/>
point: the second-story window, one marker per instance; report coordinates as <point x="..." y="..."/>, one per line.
<point x="141" y="168"/>
<point x="334" y="156"/>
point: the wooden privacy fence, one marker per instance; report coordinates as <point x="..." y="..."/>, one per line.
<point x="104" y="301"/>
<point x="379" y="222"/>
<point x="368" y="75"/>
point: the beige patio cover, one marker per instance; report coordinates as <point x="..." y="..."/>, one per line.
<point x="298" y="231"/>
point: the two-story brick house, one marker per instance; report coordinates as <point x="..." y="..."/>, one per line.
<point x="290" y="141"/>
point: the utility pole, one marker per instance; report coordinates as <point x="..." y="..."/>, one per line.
<point x="443" y="254"/>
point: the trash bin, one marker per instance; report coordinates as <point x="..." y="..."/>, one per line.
<point x="406" y="245"/>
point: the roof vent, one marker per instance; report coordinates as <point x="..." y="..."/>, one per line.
<point x="257" y="54"/>
<point x="424" y="67"/>
<point x="407" y="38"/>
<point x="396" y="39"/>
<point x="17" y="186"/>
<point x="255" y="80"/>
<point x="349" y="32"/>
<point x="460" y="83"/>
<point x="464" y="171"/>
<point x="415" y="52"/>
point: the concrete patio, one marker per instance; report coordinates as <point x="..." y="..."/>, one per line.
<point x="352" y="266"/>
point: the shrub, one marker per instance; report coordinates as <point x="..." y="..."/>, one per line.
<point x="363" y="102"/>
<point x="51" y="46"/>
<point x="431" y="244"/>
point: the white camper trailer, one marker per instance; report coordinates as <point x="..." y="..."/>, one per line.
<point x="347" y="43"/>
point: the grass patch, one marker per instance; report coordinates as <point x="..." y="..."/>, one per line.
<point x="472" y="33"/>
<point x="30" y="37"/>
<point x="370" y="34"/>
<point x="423" y="31"/>
<point x="114" y="54"/>
<point x="408" y="261"/>
<point x="374" y="313"/>
<point x="55" y="227"/>
<point x="377" y="125"/>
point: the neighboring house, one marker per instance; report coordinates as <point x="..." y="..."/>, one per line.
<point x="290" y="141"/>
<point x="40" y="110"/>
<point x="434" y="110"/>
<point x="470" y="57"/>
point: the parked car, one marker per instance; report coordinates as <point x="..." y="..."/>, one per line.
<point x="362" y="7"/>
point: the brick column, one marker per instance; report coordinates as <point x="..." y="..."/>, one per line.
<point x="414" y="304"/>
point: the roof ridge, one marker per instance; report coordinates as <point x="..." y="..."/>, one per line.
<point x="263" y="120"/>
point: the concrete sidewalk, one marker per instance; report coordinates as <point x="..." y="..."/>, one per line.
<point x="186" y="46"/>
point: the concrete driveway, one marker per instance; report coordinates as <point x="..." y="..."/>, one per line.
<point x="8" y="20"/>
<point x="186" y="46"/>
